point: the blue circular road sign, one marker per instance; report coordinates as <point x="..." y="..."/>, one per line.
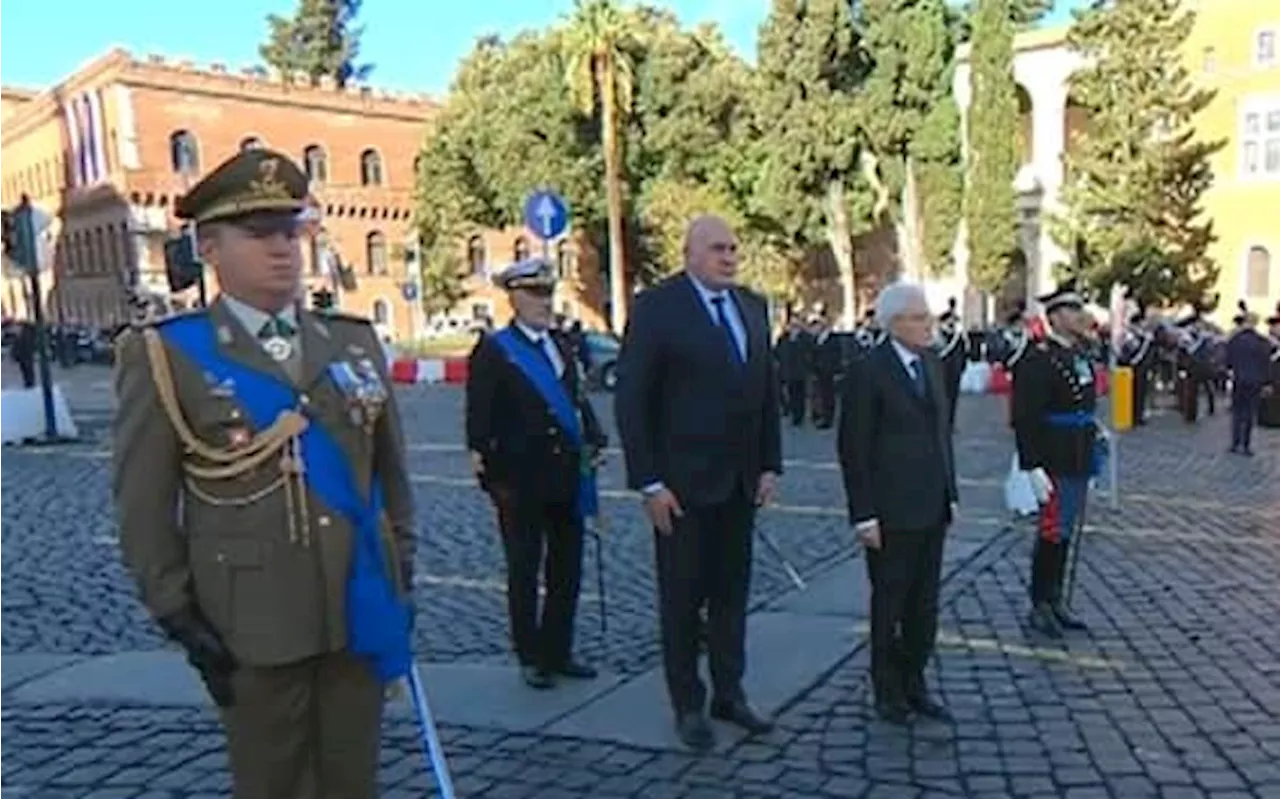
<point x="546" y="214"/>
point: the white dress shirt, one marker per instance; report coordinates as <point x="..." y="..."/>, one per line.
<point x="542" y="338"/>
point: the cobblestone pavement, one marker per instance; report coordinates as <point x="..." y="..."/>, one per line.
<point x="1174" y="691"/>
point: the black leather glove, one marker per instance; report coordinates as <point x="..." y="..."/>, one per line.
<point x="205" y="651"/>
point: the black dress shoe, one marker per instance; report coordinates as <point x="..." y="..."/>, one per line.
<point x="536" y="677"/>
<point x="576" y="671"/>
<point x="1043" y="621"/>
<point x="893" y="712"/>
<point x="741" y="714"/>
<point x="695" y="732"/>
<point x="923" y="705"/>
<point x="1066" y="620"/>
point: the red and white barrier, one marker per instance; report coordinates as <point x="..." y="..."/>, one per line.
<point x="984" y="378"/>
<point x="429" y="370"/>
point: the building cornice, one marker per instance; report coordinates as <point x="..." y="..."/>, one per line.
<point x="215" y="80"/>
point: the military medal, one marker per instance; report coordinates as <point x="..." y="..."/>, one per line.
<point x="237" y="437"/>
<point x="278" y="348"/>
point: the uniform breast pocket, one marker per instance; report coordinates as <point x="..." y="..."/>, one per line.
<point x="220" y="422"/>
<point x="228" y="574"/>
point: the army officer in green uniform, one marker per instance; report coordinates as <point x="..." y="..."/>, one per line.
<point x="231" y="524"/>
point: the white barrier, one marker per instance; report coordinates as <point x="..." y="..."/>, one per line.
<point x="976" y="378"/>
<point x="430" y="370"/>
<point x="22" y="415"/>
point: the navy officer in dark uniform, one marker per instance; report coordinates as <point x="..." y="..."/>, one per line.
<point x="535" y="442"/>
<point x="1059" y="446"/>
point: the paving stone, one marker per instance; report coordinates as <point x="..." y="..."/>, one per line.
<point x="1172" y="689"/>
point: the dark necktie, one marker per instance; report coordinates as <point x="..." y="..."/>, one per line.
<point x="540" y="344"/>
<point x="917" y="378"/>
<point x="722" y="319"/>
<point x="276" y="327"/>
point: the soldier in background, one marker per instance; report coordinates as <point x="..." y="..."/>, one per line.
<point x="1248" y="357"/>
<point x="951" y="346"/>
<point x="1269" y="407"/>
<point x="533" y="436"/>
<point x="23" y="352"/>
<point x="259" y="476"/>
<point x="794" y="352"/>
<point x="828" y="359"/>
<point x="1138" y="353"/>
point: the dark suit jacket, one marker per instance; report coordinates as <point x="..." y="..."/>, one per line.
<point x="1248" y="357"/>
<point x="510" y="424"/>
<point x="688" y="415"/>
<point x="894" y="446"/>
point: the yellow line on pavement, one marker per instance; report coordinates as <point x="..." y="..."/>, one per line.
<point x="952" y="641"/>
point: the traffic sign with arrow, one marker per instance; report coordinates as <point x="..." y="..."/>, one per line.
<point x="546" y="214"/>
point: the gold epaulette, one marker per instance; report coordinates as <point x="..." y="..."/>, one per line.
<point x="203" y="461"/>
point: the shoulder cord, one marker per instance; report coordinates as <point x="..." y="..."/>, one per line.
<point x="282" y="438"/>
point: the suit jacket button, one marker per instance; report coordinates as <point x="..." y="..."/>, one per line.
<point x="551" y="431"/>
<point x="221" y="558"/>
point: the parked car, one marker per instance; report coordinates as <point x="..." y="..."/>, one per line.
<point x="602" y="357"/>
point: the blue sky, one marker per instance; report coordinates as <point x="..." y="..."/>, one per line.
<point x="412" y="48"/>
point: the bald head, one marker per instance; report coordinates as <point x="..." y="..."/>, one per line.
<point x="711" y="252"/>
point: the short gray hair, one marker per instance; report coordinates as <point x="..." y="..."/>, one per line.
<point x="895" y="299"/>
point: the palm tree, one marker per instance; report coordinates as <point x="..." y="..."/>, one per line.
<point x="597" y="46"/>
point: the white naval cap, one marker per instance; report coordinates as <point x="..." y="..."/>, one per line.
<point x="531" y="273"/>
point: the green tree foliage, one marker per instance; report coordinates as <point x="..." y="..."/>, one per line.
<point x="1136" y="176"/>
<point x="598" y="43"/>
<point x="509" y="125"/>
<point x="809" y="182"/>
<point x="319" y="41"/>
<point x="990" y="211"/>
<point x="910" y="127"/>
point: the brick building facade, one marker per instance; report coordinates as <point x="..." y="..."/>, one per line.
<point x="108" y="151"/>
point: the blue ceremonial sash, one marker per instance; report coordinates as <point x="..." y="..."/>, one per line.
<point x="1080" y="420"/>
<point x="524" y="355"/>
<point x="377" y="619"/>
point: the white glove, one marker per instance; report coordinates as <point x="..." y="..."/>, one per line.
<point x="1040" y="483"/>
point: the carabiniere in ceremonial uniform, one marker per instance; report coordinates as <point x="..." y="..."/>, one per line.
<point x="264" y="506"/>
<point x="1060" y="445"/>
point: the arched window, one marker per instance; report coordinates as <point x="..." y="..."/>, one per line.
<point x="316" y="164"/>
<point x="475" y="255"/>
<point x="564" y="260"/>
<point x="375" y="247"/>
<point x="1257" y="273"/>
<point x="520" y="250"/>
<point x="250" y="143"/>
<point x="184" y="153"/>
<point x="370" y="168"/>
<point x="381" y="312"/>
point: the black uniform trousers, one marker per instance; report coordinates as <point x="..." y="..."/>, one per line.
<point x="531" y="529"/>
<point x="1141" y="382"/>
<point x="1245" y="400"/>
<point x="824" y="399"/>
<point x="905" y="573"/>
<point x="705" y="562"/>
<point x="797" y="395"/>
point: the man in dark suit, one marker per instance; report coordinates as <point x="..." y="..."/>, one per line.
<point x="895" y="452"/>
<point x="697" y="410"/>
<point x="535" y="443"/>
<point x="1249" y="359"/>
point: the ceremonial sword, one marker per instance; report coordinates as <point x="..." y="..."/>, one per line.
<point x="431" y="745"/>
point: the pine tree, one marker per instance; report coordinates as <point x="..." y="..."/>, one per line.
<point x="910" y="125"/>
<point x="810" y="67"/>
<point x="319" y="41"/>
<point x="1136" y="176"/>
<point x="990" y="212"/>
